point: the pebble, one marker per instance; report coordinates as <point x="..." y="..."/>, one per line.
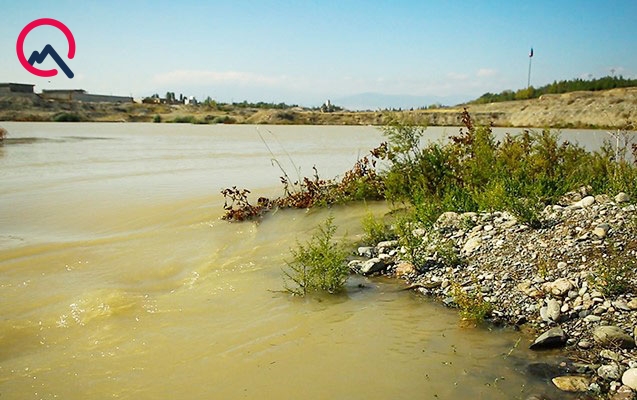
<point x="622" y="198"/>
<point x="609" y="372"/>
<point x="572" y="383"/>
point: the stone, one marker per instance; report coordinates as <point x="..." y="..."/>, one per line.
<point x="405" y="268"/>
<point x="448" y="219"/>
<point x="622" y="198"/>
<point x="621" y="305"/>
<point x="419" y="232"/>
<point x="572" y="383"/>
<point x="584" y="344"/>
<point x="355" y="265"/>
<point x="613" y="336"/>
<point x="609" y="372"/>
<point x="559" y="287"/>
<point x="366" y="251"/>
<point x="592" y="318"/>
<point x="553" y="309"/>
<point x="601" y="230"/>
<point x="632" y="304"/>
<point x="609" y="355"/>
<point x="624" y="393"/>
<point x="630" y="378"/>
<point x="388" y="244"/>
<point x="471" y="245"/>
<point x="555" y="337"/>
<point x="561" y="265"/>
<point x="372" y="266"/>
<point x="585" y="202"/>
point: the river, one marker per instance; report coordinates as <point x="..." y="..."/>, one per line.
<point x="119" y="280"/>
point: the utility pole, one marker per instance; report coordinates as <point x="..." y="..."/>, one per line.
<point x="528" y="82"/>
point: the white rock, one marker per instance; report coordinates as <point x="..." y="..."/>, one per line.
<point x="585" y="202"/>
<point x="609" y="371"/>
<point x="472" y="245"/>
<point x="622" y="198"/>
<point x="630" y="378"/>
<point x="553" y="309"/>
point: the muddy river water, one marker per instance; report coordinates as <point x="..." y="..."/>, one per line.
<point x="119" y="280"/>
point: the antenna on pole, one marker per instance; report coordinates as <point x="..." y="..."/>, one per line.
<point x="528" y="82"/>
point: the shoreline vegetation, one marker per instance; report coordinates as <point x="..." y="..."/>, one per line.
<point x="525" y="232"/>
<point x="603" y="109"/>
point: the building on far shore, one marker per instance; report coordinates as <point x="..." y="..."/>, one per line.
<point x="9" y="88"/>
<point x="80" y="95"/>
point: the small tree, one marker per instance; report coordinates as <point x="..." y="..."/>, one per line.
<point x="317" y="265"/>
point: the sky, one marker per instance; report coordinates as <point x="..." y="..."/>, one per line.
<point x="304" y="52"/>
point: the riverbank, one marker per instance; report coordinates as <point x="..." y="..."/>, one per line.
<point x="566" y="282"/>
<point x="616" y="108"/>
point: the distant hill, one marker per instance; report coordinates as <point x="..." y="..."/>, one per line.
<point x="573" y="85"/>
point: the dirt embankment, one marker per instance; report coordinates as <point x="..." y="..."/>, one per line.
<point x="605" y="109"/>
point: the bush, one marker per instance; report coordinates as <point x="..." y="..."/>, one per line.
<point x="376" y="230"/>
<point x="157" y="118"/>
<point x="66" y="117"/>
<point x="471" y="303"/>
<point x="613" y="275"/>
<point x="317" y="265"/>
<point x="188" y="119"/>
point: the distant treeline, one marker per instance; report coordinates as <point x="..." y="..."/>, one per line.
<point x="573" y="85"/>
<point x="261" y="104"/>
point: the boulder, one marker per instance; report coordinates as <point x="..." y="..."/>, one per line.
<point x="610" y="372"/>
<point x="608" y="336"/>
<point x="405" y="268"/>
<point x="572" y="383"/>
<point x="622" y="198"/>
<point x="387" y="244"/>
<point x="553" y="309"/>
<point x="601" y="230"/>
<point x="630" y="378"/>
<point x="624" y="393"/>
<point x="555" y="337"/>
<point x="448" y="219"/>
<point x="585" y="202"/>
<point x="366" y="251"/>
<point x="471" y="245"/>
<point x="372" y="266"/>
<point x="559" y="287"/>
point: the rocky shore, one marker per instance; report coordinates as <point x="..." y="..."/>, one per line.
<point x="572" y="282"/>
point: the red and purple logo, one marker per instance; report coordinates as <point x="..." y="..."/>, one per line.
<point x="48" y="50"/>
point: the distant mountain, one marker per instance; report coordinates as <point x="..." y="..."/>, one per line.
<point x="375" y="101"/>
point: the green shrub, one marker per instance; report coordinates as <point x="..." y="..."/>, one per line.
<point x="613" y="275"/>
<point x="188" y="119"/>
<point x="157" y="118"/>
<point x="66" y="117"/>
<point x="319" y="264"/>
<point x="376" y="230"/>
<point x="471" y="304"/>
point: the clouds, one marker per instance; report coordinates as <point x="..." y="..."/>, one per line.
<point x="205" y="77"/>
<point x="486" y="73"/>
<point x="307" y="88"/>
